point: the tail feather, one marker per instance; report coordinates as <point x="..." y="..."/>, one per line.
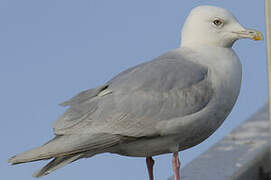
<point x="57" y="163"/>
<point x="66" y="145"/>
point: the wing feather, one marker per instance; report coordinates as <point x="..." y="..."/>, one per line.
<point x="167" y="87"/>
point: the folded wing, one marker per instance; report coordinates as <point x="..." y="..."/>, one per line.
<point x="135" y="101"/>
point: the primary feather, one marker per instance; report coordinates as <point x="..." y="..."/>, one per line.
<point x="68" y="145"/>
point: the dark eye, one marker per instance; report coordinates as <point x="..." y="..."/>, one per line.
<point x="217" y="22"/>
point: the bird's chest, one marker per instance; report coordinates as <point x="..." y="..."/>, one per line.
<point x="225" y="73"/>
<point x="226" y="78"/>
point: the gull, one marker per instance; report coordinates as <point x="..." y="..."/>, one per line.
<point x="166" y="105"/>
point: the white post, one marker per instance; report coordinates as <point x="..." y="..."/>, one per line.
<point x="268" y="49"/>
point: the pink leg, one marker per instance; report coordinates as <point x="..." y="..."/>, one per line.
<point x="150" y="163"/>
<point x="176" y="166"/>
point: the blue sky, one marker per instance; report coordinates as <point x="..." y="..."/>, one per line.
<point x="51" y="50"/>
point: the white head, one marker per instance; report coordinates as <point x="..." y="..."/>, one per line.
<point x="214" y="26"/>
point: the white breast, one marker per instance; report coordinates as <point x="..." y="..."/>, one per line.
<point x="225" y="74"/>
<point x="225" y="70"/>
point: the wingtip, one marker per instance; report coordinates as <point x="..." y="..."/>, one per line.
<point x="38" y="174"/>
<point x="12" y="160"/>
<point x="66" y="103"/>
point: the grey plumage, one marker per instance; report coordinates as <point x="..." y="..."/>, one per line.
<point x="68" y="145"/>
<point x="167" y="87"/>
<point x="96" y="121"/>
<point x="57" y="163"/>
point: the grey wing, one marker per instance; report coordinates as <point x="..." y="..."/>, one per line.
<point x="165" y="88"/>
<point x="80" y="107"/>
<point x="85" y="95"/>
